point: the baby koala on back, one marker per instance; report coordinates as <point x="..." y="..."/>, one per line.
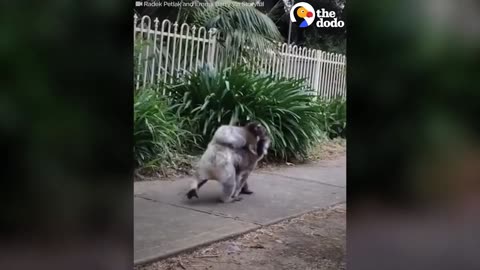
<point x="239" y="137"/>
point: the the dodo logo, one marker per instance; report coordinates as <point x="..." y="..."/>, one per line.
<point x="302" y="12"/>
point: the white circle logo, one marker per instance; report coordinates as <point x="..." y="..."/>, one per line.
<point x="304" y="12"/>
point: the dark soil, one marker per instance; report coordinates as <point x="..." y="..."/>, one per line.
<point x="327" y="150"/>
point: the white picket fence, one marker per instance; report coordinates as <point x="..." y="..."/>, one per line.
<point x="170" y="49"/>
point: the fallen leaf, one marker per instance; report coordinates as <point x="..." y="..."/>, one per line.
<point x="258" y="245"/>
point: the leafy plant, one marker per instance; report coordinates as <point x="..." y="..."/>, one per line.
<point x="236" y="95"/>
<point x="242" y="28"/>
<point x="160" y="137"/>
<point x="333" y="117"/>
<point x="137" y="64"/>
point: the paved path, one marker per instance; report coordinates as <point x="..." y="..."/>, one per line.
<point x="166" y="223"/>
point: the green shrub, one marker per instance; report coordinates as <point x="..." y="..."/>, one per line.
<point x="333" y="117"/>
<point x="285" y="107"/>
<point x="160" y="137"/>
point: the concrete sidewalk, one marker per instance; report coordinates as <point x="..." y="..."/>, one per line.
<point x="166" y="223"/>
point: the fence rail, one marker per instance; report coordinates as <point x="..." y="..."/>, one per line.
<point x="171" y="49"/>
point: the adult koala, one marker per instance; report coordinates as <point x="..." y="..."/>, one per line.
<point x="229" y="159"/>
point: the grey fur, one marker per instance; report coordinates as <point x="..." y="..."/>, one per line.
<point x="229" y="159"/>
<point x="238" y="137"/>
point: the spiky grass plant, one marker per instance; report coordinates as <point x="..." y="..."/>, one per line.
<point x="236" y="95"/>
<point x="160" y="137"/>
<point x="333" y="117"/>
